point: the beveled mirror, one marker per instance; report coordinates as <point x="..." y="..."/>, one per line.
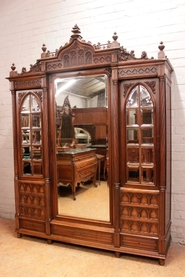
<point x="82" y="146"/>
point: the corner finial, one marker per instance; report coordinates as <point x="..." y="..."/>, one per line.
<point x="13" y="72"/>
<point x="161" y="54"/>
<point x="114" y="43"/>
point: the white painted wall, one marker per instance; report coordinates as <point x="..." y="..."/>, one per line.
<point x="26" y="24"/>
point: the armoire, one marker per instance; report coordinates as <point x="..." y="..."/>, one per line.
<point x="92" y="147"/>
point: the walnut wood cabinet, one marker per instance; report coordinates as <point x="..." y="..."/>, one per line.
<point x="138" y="119"/>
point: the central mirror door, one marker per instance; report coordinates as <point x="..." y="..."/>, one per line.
<point x="82" y="159"/>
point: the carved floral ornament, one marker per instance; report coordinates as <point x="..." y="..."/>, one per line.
<point x="78" y="52"/>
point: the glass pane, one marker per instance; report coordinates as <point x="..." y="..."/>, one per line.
<point x="132" y="135"/>
<point x="25" y="136"/>
<point x="34" y="104"/>
<point x="25" y="120"/>
<point x="26" y="105"/>
<point x="37" y="152"/>
<point x="36" y="137"/>
<point x="133" y="155"/>
<point x="133" y="173"/>
<point x="36" y="120"/>
<point x="145" y="99"/>
<point x="131" y="116"/>
<point x="147" y="116"/>
<point x="27" y="167"/>
<point x="147" y="155"/>
<point x="133" y="98"/>
<point x="26" y="152"/>
<point x="147" y="174"/>
<point x="147" y="135"/>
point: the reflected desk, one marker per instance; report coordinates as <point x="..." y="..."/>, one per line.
<point x="76" y="166"/>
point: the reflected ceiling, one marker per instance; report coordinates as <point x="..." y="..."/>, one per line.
<point x="87" y="87"/>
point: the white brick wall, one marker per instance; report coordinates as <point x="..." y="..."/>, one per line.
<point x="140" y="25"/>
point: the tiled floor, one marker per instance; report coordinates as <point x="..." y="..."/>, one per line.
<point x="33" y="257"/>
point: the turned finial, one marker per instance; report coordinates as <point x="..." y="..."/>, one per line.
<point x="115" y="36"/>
<point x="161" y="46"/>
<point x="13" y="67"/>
<point x="161" y="54"/>
<point x="76" y="32"/>
<point x="13" y="72"/>
<point x="44" y="48"/>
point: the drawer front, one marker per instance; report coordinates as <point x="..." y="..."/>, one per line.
<point x="86" y="173"/>
<point x="85" y="162"/>
<point x="84" y="156"/>
<point x="148" y="244"/>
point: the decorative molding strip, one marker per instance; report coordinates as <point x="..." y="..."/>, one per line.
<point x="31" y="83"/>
<point x="53" y="66"/>
<point x="137" y="71"/>
<point x="102" y="59"/>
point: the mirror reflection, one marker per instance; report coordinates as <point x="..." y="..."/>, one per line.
<point x="82" y="147"/>
<point x="31" y="136"/>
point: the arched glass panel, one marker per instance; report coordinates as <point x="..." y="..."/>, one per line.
<point x="30" y="117"/>
<point x="140" y="136"/>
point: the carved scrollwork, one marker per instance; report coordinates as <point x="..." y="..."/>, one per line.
<point x="36" y="67"/>
<point x="152" y="85"/>
<point x="22" y="94"/>
<point x="126" y="87"/>
<point x="125" y="55"/>
<point x="39" y="94"/>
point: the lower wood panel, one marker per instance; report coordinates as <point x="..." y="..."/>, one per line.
<point x="32" y="225"/>
<point x="90" y="235"/>
<point x="148" y="244"/>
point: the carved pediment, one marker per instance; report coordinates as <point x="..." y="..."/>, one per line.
<point x="77" y="52"/>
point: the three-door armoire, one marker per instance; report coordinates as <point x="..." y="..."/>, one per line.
<point x="92" y="147"/>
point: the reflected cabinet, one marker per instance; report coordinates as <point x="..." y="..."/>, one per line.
<point x="92" y="147"/>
